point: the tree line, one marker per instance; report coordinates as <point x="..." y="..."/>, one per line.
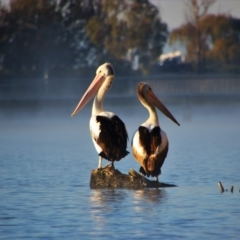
<point x="212" y="41"/>
<point x="71" y="37"/>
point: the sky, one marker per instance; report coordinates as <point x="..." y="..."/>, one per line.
<point x="172" y="12"/>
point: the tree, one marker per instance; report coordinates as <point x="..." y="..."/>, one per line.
<point x="124" y="29"/>
<point x="38" y="37"/>
<point x="75" y="15"/>
<point x="223" y="33"/>
<point x="30" y="45"/>
<point x="49" y="36"/>
<point x="191" y="34"/>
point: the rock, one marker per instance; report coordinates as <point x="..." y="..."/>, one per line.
<point x="109" y="177"/>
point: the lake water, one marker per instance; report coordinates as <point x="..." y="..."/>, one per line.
<point x="46" y="158"/>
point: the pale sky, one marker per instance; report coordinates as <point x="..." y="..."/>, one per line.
<point x="172" y="12"/>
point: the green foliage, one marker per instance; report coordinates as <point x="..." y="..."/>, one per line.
<point x="224" y="33"/>
<point x="42" y="37"/>
<point x="34" y="41"/>
<point x="61" y="37"/>
<point x="126" y="28"/>
<point x="191" y="34"/>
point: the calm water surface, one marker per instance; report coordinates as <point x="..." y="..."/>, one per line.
<point x="46" y="158"/>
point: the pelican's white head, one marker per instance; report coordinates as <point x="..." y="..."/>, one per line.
<point x="149" y="99"/>
<point x="105" y="71"/>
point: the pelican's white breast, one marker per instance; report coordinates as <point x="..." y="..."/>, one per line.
<point x="137" y="145"/>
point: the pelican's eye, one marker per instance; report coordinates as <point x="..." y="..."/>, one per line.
<point x="102" y="73"/>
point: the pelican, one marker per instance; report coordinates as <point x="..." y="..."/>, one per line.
<point x="108" y="132"/>
<point x="150" y="142"/>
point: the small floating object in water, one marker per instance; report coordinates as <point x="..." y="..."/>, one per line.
<point x="231" y="188"/>
<point x="221" y="186"/>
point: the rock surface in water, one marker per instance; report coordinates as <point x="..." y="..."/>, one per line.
<point x="109" y="177"/>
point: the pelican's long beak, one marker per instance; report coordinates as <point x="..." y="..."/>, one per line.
<point x="154" y="99"/>
<point x="90" y="93"/>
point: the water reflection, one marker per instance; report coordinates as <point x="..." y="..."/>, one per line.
<point x="150" y="195"/>
<point x="112" y="198"/>
<point x="106" y="204"/>
<point x="109" y="200"/>
<point x="102" y="197"/>
<point x="116" y="206"/>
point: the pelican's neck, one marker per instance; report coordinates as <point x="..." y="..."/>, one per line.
<point x="153" y="117"/>
<point x="98" y="100"/>
<point x="98" y="104"/>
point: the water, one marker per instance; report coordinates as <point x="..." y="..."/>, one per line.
<point x="46" y="158"/>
